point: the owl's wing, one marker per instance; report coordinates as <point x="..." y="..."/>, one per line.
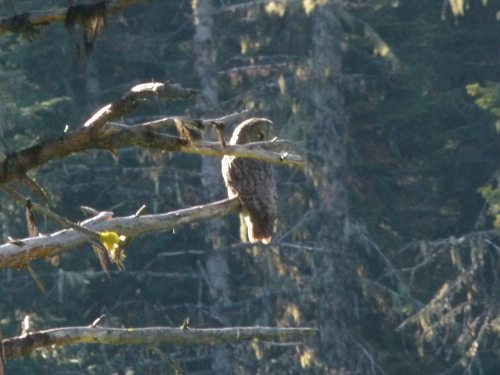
<point x="254" y="184"/>
<point x="226" y="166"/>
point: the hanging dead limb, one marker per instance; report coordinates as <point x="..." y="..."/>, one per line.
<point x="25" y="345"/>
<point x="91" y="18"/>
<point x="45" y="17"/>
<point x="20" y="253"/>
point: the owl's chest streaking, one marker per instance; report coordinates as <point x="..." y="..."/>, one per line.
<point x="248" y="178"/>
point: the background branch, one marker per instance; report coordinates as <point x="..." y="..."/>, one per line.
<point x="24" y="345"/>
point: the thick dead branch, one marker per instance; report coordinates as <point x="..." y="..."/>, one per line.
<point x="249" y="150"/>
<point x="99" y="133"/>
<point x="140" y="92"/>
<point x="24" y="345"/>
<point x="114" y="136"/>
<point x="46" y="17"/>
<point x="20" y="253"/>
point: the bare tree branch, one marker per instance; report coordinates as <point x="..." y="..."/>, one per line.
<point x="137" y="93"/>
<point x="99" y="133"/>
<point x="24" y="345"/>
<point x="113" y="136"/>
<point x="20" y="253"/>
<point x="46" y="17"/>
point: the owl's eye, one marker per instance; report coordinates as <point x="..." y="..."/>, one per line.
<point x="260" y="135"/>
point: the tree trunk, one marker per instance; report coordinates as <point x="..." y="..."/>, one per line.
<point x="216" y="268"/>
<point x="327" y="166"/>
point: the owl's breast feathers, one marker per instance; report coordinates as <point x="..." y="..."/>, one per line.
<point x="252" y="181"/>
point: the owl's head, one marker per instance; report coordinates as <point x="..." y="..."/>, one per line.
<point x="251" y="130"/>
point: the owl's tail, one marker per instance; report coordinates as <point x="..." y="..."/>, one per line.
<point x="260" y="229"/>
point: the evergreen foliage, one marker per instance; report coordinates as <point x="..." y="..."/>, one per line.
<point x="415" y="287"/>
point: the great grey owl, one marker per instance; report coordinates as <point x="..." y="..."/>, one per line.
<point x="252" y="181"/>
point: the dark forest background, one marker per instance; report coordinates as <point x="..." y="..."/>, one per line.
<point x="386" y="242"/>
